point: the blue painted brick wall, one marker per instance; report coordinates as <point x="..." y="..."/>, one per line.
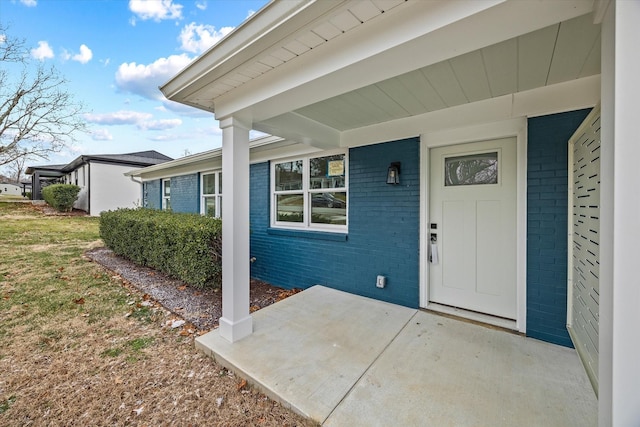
<point x="185" y="190"/>
<point x="383" y="235"/>
<point x="547" y="212"/>
<point x="153" y="194"/>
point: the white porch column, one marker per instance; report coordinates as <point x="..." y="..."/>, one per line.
<point x="619" y="368"/>
<point x="236" y="322"/>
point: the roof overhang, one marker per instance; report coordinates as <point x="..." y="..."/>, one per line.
<point x="260" y="149"/>
<point x="301" y="69"/>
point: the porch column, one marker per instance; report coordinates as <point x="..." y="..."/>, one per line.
<point x="619" y="370"/>
<point x="236" y="322"/>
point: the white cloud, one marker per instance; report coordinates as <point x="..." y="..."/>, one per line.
<point x="42" y="52"/>
<point x="202" y="5"/>
<point x="250" y="13"/>
<point x="105" y="62"/>
<point x="3" y="38"/>
<point x="118" y="118"/>
<point x="144" y="80"/>
<point x="84" y="56"/>
<point x="198" y="38"/>
<point x="157" y="10"/>
<point x="101" y="135"/>
<point x="159" y="124"/>
<point x="142" y="121"/>
<point x="29" y="3"/>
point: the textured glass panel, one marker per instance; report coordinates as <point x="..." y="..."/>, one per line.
<point x="327" y="172"/>
<point x="329" y="208"/>
<point x="210" y="206"/>
<point x="474" y="169"/>
<point x="289" y="176"/>
<point x="209" y="184"/>
<point x="290" y="207"/>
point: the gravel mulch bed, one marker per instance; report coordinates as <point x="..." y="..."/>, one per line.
<point x="201" y="308"/>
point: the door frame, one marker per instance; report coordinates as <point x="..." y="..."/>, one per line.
<point x="503" y="129"/>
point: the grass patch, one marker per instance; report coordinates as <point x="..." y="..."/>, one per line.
<point x="4" y="404"/>
<point x="140" y="343"/>
<point x="112" y="352"/>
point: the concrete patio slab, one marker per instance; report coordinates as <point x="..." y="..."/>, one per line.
<point x="346" y="360"/>
<point x="310" y="349"/>
<point x="444" y="372"/>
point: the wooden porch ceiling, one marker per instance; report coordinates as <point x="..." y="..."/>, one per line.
<point x="566" y="51"/>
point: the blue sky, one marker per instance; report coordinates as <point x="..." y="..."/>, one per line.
<point x="115" y="54"/>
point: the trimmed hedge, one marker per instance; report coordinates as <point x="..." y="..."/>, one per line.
<point x="61" y="196"/>
<point x="185" y="246"/>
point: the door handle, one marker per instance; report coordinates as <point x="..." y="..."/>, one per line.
<point x="433" y="257"/>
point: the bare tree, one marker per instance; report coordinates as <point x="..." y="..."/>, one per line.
<point x="17" y="168"/>
<point x="38" y="116"/>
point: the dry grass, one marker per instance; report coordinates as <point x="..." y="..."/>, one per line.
<point x="79" y="347"/>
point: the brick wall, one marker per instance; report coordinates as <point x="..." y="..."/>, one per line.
<point x="152" y="194"/>
<point x="383" y="236"/>
<point x="185" y="193"/>
<point x="547" y="212"/>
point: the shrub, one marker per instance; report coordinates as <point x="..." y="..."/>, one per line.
<point x="184" y="246"/>
<point x="61" y="196"/>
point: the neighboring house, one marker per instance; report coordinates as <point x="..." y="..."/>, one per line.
<point x="10" y="188"/>
<point x="100" y="177"/>
<point x="500" y="208"/>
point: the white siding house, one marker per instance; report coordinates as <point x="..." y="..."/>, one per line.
<point x="103" y="185"/>
<point x="10" y="189"/>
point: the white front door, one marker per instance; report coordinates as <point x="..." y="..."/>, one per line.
<point x="472" y="213"/>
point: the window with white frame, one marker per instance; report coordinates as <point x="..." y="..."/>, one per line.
<point x="211" y="194"/>
<point x="166" y="194"/>
<point x="310" y="192"/>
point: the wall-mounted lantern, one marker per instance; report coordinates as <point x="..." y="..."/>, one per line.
<point x="393" y="173"/>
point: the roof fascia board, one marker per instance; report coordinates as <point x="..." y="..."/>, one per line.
<point x="260" y="32"/>
<point x="212" y="160"/>
<point x="114" y="162"/>
<point x="369" y="54"/>
<point x="186" y="164"/>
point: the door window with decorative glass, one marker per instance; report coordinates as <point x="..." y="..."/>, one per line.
<point x="211" y="189"/>
<point x="311" y="192"/>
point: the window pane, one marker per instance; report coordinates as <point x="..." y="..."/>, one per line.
<point x="471" y="170"/>
<point x="327" y="172"/>
<point x="289" y="207"/>
<point x="289" y="176"/>
<point x="167" y="188"/>
<point x="329" y="208"/>
<point x="209" y="184"/>
<point x="220" y="183"/>
<point x="210" y="206"/>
